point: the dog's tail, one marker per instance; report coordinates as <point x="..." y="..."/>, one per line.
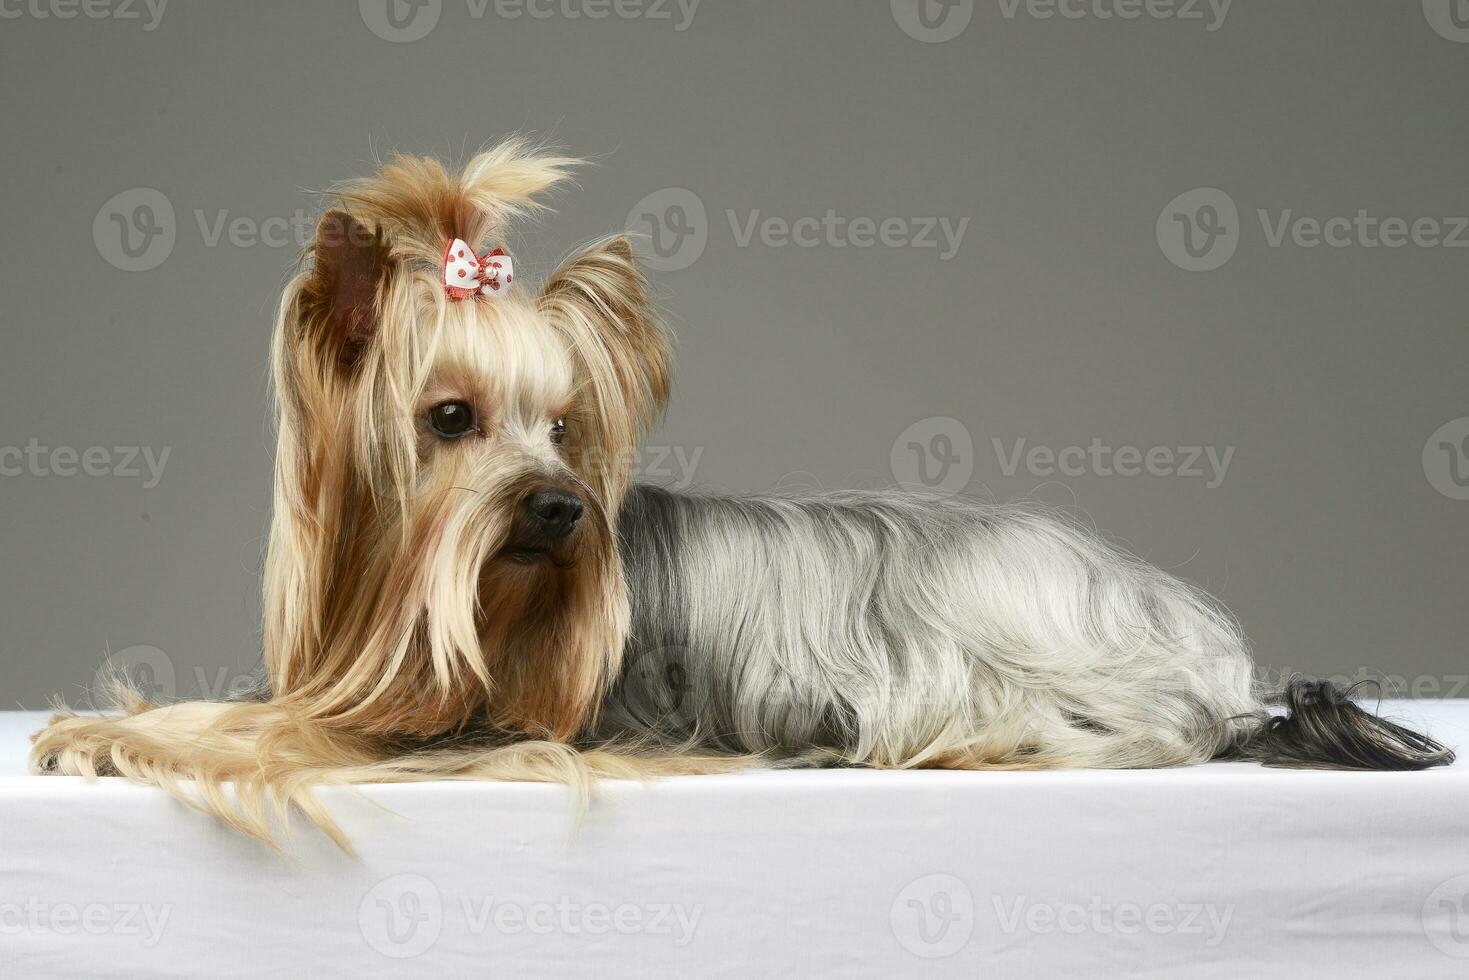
<point x="1324" y="729"/>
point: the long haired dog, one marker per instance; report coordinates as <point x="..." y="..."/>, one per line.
<point x="460" y="582"/>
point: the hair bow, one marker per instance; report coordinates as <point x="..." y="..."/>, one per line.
<point x="466" y="273"/>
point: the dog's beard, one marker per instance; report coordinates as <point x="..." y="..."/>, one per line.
<point x="441" y="618"/>
<point x="555" y="629"/>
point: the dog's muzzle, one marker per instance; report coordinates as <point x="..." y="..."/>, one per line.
<point x="546" y="519"/>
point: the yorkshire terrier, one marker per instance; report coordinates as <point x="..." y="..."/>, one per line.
<point x="462" y="583"/>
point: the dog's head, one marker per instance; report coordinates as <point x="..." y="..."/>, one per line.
<point x="449" y="469"/>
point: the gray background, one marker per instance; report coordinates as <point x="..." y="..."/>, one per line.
<point x="1059" y="320"/>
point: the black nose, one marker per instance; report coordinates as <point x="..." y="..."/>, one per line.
<point x="554" y="512"/>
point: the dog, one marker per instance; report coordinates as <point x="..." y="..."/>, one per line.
<point x="461" y="580"/>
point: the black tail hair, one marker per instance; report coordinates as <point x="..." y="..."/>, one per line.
<point x="1323" y="729"/>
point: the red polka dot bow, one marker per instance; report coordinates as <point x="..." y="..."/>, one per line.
<point x="466" y="273"/>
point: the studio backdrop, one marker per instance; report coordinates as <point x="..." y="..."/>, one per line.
<point x="1193" y="270"/>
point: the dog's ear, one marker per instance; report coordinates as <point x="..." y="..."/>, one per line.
<point x="341" y="296"/>
<point x="600" y="299"/>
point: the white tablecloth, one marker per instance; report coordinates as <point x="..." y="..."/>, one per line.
<point x="1220" y="871"/>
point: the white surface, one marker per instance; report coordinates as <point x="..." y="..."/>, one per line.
<point x="1221" y="871"/>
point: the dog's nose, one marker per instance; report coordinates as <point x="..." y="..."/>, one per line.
<point x="554" y="512"/>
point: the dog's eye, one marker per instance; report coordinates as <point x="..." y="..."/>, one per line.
<point x="451" y="419"/>
<point x="558" y="432"/>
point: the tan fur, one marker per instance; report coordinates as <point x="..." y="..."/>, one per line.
<point x="251" y="765"/>
<point x="400" y="642"/>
